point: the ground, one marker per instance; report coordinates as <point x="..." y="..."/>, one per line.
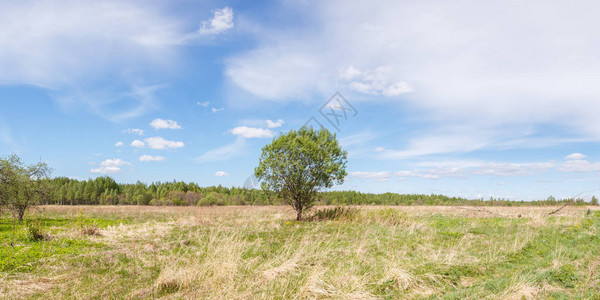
<point x="372" y="252"/>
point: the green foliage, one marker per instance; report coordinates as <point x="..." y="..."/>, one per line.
<point x="33" y="243"/>
<point x="565" y="275"/>
<point x="22" y="186"/>
<point x="296" y="165"/>
<point x="67" y="191"/>
<point x="35" y="231"/>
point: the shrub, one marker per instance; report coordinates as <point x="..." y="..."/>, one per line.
<point x="91" y="230"/>
<point x="35" y="232"/>
<point x="337" y="213"/>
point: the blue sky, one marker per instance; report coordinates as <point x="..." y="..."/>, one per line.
<point x="472" y="99"/>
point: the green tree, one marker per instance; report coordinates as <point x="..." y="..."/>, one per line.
<point x="296" y="165"/>
<point x="22" y="186"/>
<point x="594" y="201"/>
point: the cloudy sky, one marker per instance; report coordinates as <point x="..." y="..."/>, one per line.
<point x="467" y="98"/>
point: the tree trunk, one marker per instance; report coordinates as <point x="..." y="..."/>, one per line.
<point x="299" y="215"/>
<point x="21" y="214"/>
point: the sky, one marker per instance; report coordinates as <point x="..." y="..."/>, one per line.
<point x="475" y="99"/>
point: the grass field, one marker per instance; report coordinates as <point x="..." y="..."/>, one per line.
<point x="420" y="252"/>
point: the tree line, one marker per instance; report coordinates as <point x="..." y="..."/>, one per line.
<point x="106" y="191"/>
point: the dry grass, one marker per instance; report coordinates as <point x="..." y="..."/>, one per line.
<point x="260" y="252"/>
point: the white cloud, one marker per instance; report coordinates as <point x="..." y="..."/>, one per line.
<point x="221" y="174"/>
<point x="216" y="109"/>
<point x="135" y="131"/>
<point x="453" y="56"/>
<point x="460" y="169"/>
<point x="164" y="124"/>
<point x="251" y="132"/>
<point x="377" y="176"/>
<point x="110" y="166"/>
<point x="375" y="82"/>
<point x="89" y="54"/>
<point x="159" y="143"/>
<point x="379" y="149"/>
<point x="221" y="22"/>
<point x="151" y="158"/>
<point x="203" y="104"/>
<point x="275" y="124"/>
<point x="138" y="144"/>
<point x="580" y="166"/>
<point x="575" y="156"/>
<point x="440" y="142"/>
<point x="119" y="144"/>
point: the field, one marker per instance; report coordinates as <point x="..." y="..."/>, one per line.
<point x="368" y="252"/>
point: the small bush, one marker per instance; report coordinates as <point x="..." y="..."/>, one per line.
<point x="337" y="213"/>
<point x="35" y="232"/>
<point x="91" y="230"/>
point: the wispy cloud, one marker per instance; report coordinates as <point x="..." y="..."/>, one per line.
<point x="225" y="152"/>
<point x="103" y="57"/>
<point x="468" y="80"/>
<point x="135" y="131"/>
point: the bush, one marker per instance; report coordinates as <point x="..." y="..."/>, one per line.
<point x="337" y="213"/>
<point x="35" y="232"/>
<point x="91" y="230"/>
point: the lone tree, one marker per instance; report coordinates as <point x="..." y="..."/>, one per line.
<point x="22" y="186"/>
<point x="296" y="165"/>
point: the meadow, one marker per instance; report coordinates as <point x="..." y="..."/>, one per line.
<point x="260" y="252"/>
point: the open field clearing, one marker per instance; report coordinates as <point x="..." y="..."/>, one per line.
<point x="368" y="252"/>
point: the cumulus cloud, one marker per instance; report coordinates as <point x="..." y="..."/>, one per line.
<point x="275" y="124"/>
<point x="575" y="156"/>
<point x="164" y="124"/>
<point x="214" y="109"/>
<point x="110" y="166"/>
<point x="252" y="132"/>
<point x="135" y="131"/>
<point x="203" y="104"/>
<point x="221" y="21"/>
<point x="151" y="158"/>
<point x="221" y="174"/>
<point x="159" y="143"/>
<point x="119" y="144"/>
<point x="138" y="144"/>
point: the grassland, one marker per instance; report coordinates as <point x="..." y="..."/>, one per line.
<point x="131" y="252"/>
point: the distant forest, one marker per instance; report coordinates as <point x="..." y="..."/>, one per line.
<point x="105" y="191"/>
